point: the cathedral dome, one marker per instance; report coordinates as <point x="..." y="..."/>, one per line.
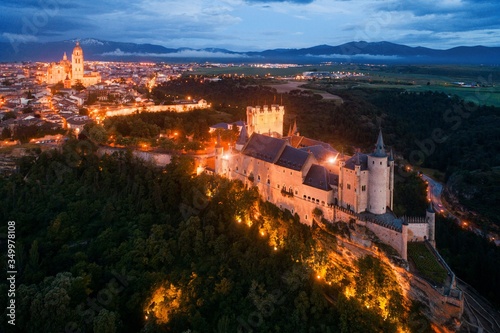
<point x="77" y="48"/>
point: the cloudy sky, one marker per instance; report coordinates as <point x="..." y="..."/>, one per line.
<point x="254" y="25"/>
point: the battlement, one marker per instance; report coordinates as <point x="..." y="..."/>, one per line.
<point x="265" y="109"/>
<point x="413" y="219"/>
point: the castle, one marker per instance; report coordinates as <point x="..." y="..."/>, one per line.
<point x="71" y="72"/>
<point x="304" y="176"/>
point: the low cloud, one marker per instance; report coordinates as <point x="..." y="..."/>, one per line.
<point x="357" y="56"/>
<point x="19" y="38"/>
<point x="179" y="54"/>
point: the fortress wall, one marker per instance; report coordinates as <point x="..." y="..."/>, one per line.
<point x="417" y="232"/>
<point x="388" y="236"/>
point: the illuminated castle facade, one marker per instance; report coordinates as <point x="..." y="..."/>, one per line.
<point x="71" y="72"/>
<point x="309" y="177"/>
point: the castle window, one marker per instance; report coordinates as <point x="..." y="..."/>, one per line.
<point x="244" y="172"/>
<point x="268" y="181"/>
<point x="363" y="188"/>
<point x="373" y="162"/>
<point x="237" y="168"/>
<point x="306" y="216"/>
<point x="278" y="186"/>
<point x="348" y="186"/>
<point x="305" y="196"/>
<point x="296" y="192"/>
<point x="258" y="178"/>
<point x="380" y="163"/>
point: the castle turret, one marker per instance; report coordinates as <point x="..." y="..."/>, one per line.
<point x="242" y="139"/>
<point x="77" y="64"/>
<point x="430" y="217"/>
<point x="379" y="177"/>
<point x="404" y="240"/>
<point x="219" y="155"/>
<point x="390" y="190"/>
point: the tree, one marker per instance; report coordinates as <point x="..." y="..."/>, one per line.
<point x="78" y="86"/>
<point x="105" y="322"/>
<point x="6" y="133"/>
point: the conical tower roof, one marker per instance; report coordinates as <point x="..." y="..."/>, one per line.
<point x="243" y="138"/>
<point x="379" y="146"/>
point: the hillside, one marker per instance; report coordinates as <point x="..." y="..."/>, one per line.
<point x="356" y="52"/>
<point x="158" y="250"/>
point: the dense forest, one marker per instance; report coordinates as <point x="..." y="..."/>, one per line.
<point x="112" y="244"/>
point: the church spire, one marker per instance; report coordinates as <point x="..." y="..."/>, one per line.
<point x="65" y="57"/>
<point x="379" y="146"/>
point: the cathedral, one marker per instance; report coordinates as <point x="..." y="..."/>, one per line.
<point x="307" y="177"/>
<point x="71" y="72"/>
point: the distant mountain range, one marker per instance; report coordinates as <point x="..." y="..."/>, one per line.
<point x="376" y="52"/>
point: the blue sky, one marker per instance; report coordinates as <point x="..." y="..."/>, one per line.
<point x="254" y="25"/>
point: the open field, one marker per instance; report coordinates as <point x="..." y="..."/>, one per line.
<point x="409" y="77"/>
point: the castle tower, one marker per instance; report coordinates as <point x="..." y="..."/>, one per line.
<point x="219" y="155"/>
<point x="265" y="120"/>
<point x="390" y="190"/>
<point x="242" y="139"/>
<point x="378" y="179"/>
<point x="357" y="172"/>
<point x="430" y="218"/>
<point x="404" y="241"/>
<point x="77" y="64"/>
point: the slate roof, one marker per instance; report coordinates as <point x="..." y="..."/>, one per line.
<point x="264" y="147"/>
<point x="363" y="159"/>
<point x="292" y="158"/>
<point x="320" y="152"/>
<point x="318" y="177"/>
<point x="220" y="125"/>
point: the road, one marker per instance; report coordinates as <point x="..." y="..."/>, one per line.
<point x="480" y="315"/>
<point x="435" y="189"/>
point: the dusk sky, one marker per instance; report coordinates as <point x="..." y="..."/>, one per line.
<point x="254" y="25"/>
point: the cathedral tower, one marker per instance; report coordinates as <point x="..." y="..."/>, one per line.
<point x="379" y="177"/>
<point x="77" y="64"/>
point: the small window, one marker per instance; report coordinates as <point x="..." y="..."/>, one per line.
<point x="237" y="168"/>
<point x="380" y="163"/>
<point x="373" y="162"/>
<point x="348" y="186"/>
<point x="258" y="178"/>
<point x="306" y="216"/>
<point x="268" y="181"/>
<point x="277" y="186"/>
<point x="363" y="188"/>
